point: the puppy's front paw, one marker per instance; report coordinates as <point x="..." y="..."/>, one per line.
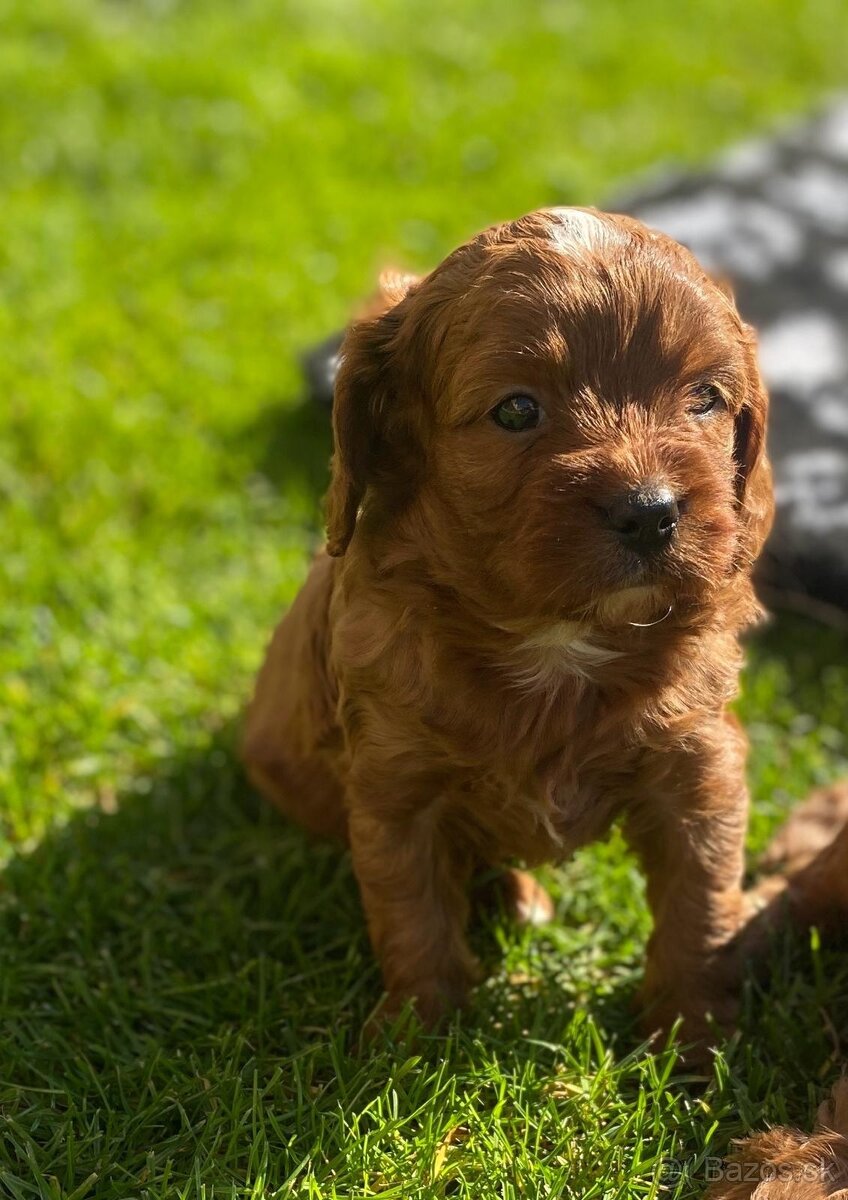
<point x="426" y="1003"/>
<point x="708" y="1014"/>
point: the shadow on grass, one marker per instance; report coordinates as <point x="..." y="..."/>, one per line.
<point x="292" y="441"/>
<point x="187" y="974"/>
<point x="191" y="887"/>
<point x="173" y="966"/>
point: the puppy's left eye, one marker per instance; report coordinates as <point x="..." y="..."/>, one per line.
<point x="517" y="413"/>
<point x="707" y="399"/>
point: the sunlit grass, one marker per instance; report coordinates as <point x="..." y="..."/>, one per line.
<point x="191" y="192"/>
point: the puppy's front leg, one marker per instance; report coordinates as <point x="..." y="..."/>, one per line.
<point x="414" y="887"/>
<point x="688" y="824"/>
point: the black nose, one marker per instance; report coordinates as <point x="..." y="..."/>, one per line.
<point x="644" y="518"/>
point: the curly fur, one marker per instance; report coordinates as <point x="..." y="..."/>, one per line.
<point x="476" y="670"/>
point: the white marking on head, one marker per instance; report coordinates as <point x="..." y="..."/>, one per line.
<point x="579" y="229"/>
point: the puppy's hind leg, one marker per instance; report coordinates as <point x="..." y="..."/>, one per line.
<point x="518" y="893"/>
<point x="812" y="890"/>
<point x="808" y="829"/>
<point x="305" y="791"/>
<point x="817" y="891"/>
<point x="291" y="744"/>
<point x="821" y="889"/>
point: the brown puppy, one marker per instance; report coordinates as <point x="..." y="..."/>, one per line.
<point x="549" y="486"/>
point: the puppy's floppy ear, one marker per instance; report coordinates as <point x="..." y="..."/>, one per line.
<point x="753" y="470"/>
<point x="365" y="411"/>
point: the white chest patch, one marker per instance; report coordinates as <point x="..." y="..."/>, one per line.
<point x="565" y="648"/>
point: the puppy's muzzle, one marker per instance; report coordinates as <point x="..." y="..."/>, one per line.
<point x="645" y="518"/>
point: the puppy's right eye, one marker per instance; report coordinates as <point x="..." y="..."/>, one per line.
<point x="707" y="399"/>
<point x="517" y="413"/>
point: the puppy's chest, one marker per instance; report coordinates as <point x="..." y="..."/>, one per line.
<point x="560" y="787"/>
<point x="583" y="795"/>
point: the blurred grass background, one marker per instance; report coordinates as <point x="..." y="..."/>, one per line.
<point x="192" y="192"/>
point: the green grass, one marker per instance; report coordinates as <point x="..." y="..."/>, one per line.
<point x="190" y="193"/>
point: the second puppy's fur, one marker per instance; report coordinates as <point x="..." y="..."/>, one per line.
<point x="810" y="854"/>
<point x="549" y="486"/>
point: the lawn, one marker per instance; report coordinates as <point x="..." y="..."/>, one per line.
<point x="191" y="192"/>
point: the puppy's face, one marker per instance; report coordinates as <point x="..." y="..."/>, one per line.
<point x="567" y="418"/>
